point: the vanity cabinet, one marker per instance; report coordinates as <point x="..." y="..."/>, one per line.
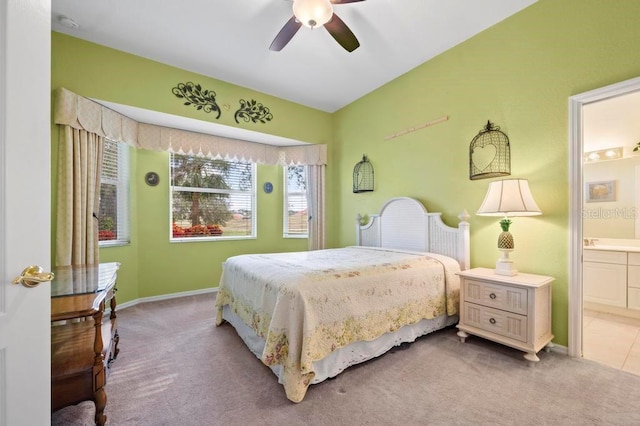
<point x="604" y="277"/>
<point x="612" y="278"/>
<point x="633" y="290"/>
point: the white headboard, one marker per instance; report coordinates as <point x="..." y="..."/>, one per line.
<point x="404" y="223"/>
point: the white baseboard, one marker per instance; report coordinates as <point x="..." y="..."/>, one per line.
<point x="623" y="312"/>
<point x="560" y="349"/>
<point x="166" y="297"/>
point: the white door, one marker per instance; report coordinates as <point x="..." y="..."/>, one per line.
<point x="25" y="213"/>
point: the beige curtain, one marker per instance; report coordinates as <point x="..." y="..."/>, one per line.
<point x="79" y="167"/>
<point x="315" y="206"/>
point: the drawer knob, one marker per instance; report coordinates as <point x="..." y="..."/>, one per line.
<point x="493" y="295"/>
<point x="492" y="320"/>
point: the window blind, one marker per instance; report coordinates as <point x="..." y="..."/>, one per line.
<point x="113" y="217"/>
<point x="296" y="222"/>
<point x="212" y="198"/>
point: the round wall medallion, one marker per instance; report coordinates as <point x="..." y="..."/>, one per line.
<point x="152" y="178"/>
<point x="268" y="187"/>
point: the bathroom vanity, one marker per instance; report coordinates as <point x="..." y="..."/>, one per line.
<point x="611" y="274"/>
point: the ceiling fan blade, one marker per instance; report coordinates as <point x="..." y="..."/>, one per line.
<point x="285" y="35"/>
<point x="344" y="1"/>
<point x="343" y="35"/>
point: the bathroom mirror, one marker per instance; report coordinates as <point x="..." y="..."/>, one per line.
<point x="611" y="169"/>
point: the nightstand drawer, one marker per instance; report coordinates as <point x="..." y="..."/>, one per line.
<point x="512" y="299"/>
<point x="496" y="321"/>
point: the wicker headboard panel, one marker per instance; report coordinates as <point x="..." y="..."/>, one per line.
<point x="404" y="223"/>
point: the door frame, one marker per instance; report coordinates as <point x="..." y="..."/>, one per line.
<point x="576" y="149"/>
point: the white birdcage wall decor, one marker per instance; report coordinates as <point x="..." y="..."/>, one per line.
<point x="363" y="176"/>
<point x="489" y="154"/>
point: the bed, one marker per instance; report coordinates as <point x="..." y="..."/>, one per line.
<point x="310" y="315"/>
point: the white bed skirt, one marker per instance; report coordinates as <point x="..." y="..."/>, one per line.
<point x="354" y="353"/>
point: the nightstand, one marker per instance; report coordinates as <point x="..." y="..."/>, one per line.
<point x="514" y="311"/>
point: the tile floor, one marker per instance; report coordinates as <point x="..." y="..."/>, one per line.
<point x="612" y="340"/>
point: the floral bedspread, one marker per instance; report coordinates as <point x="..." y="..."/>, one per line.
<point x="304" y="305"/>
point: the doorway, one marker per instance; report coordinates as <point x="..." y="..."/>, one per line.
<point x="577" y="316"/>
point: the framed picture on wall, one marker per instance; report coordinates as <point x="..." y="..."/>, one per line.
<point x="597" y="192"/>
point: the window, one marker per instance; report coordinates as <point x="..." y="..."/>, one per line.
<point x="295" y="202"/>
<point x="113" y="216"/>
<point x="211" y="199"/>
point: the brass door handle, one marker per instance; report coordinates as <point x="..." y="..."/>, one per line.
<point x="32" y="276"/>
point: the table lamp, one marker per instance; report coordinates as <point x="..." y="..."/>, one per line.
<point x="508" y="198"/>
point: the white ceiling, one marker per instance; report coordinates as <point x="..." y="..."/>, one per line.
<point x="229" y="40"/>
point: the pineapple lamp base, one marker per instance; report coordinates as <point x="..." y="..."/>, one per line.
<point x="504" y="265"/>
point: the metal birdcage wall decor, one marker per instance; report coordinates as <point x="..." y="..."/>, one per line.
<point x="363" y="176"/>
<point x="489" y="154"/>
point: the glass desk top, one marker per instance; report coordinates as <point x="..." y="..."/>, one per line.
<point x="84" y="279"/>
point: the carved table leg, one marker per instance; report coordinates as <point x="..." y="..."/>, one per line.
<point x="462" y="335"/>
<point x="116" y="336"/>
<point x="99" y="395"/>
<point x="112" y="305"/>
<point x="101" y="402"/>
<point x="116" y="350"/>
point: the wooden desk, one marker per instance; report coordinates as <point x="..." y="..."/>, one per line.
<point x="82" y="349"/>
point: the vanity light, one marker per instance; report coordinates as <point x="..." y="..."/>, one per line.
<point x="603" y="154"/>
<point x="594" y="156"/>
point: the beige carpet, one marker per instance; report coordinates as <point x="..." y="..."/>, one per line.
<point x="177" y="368"/>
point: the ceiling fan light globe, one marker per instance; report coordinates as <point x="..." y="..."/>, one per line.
<point x="312" y="13"/>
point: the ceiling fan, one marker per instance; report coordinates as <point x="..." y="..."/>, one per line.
<point x="313" y="14"/>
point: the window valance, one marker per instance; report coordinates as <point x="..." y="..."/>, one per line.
<point x="82" y="113"/>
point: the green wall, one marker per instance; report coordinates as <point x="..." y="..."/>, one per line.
<point x="152" y="266"/>
<point x="519" y="74"/>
